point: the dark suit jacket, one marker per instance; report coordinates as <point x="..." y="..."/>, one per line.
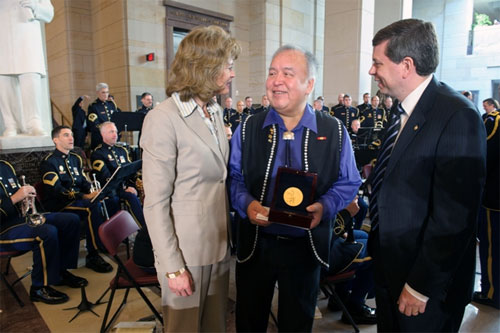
<point x="430" y="196"/>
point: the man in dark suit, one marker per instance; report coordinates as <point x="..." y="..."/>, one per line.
<point x="426" y="187"/>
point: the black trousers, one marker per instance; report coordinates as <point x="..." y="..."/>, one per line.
<point x="438" y="316"/>
<point x="289" y="262"/>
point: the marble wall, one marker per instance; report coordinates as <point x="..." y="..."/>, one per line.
<point x="477" y="71"/>
<point x="93" y="41"/>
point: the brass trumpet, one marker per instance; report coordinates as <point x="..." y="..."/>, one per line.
<point x="95" y="185"/>
<point x="28" y="210"/>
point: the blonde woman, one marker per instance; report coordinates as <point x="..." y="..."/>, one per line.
<point x="184" y="171"/>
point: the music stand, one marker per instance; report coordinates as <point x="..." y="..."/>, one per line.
<point x="114" y="182"/>
<point x="128" y="121"/>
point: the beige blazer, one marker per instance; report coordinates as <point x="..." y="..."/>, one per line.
<point x="184" y="174"/>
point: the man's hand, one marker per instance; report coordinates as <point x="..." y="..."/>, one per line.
<point x="23" y="193"/>
<point x="409" y="305"/>
<point x="316" y="209"/>
<point x="353" y="207"/>
<point x="130" y="189"/>
<point x="253" y="209"/>
<point x="90" y="196"/>
<point x="182" y="285"/>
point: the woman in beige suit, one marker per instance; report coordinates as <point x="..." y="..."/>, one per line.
<point x="184" y="172"/>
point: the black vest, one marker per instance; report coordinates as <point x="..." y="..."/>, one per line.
<point x="323" y="158"/>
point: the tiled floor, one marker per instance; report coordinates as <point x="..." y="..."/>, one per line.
<point x="478" y="318"/>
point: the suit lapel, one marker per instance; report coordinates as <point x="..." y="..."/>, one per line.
<point x="414" y="124"/>
<point x="200" y="129"/>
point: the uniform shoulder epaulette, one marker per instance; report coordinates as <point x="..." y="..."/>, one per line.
<point x="79" y="157"/>
<point x="9" y="165"/>
<point x="494" y="113"/>
<point x="99" y="146"/>
<point x="48" y="155"/>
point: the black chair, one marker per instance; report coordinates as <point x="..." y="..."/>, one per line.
<point x="327" y="285"/>
<point x="9" y="255"/>
<point x="128" y="275"/>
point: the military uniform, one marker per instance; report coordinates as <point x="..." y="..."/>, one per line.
<point x="54" y="244"/>
<point x="249" y="111"/>
<point x="346" y="114"/>
<point x="363" y="107"/>
<point x="105" y="160"/>
<point x="236" y="119"/>
<point x="144" y="110"/>
<point x="228" y="113"/>
<point x="372" y="117"/>
<point x="98" y="113"/>
<point x="79" y="126"/>
<point x="351" y="254"/>
<point x="261" y="109"/>
<point x="489" y="229"/>
<point x="64" y="185"/>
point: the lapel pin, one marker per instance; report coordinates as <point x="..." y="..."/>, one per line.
<point x="415" y="127"/>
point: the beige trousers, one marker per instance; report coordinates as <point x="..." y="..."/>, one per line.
<point x="205" y="309"/>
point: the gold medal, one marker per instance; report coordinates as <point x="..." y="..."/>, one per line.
<point x="293" y="196"/>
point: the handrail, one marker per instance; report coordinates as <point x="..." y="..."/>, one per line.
<point x="63" y="118"/>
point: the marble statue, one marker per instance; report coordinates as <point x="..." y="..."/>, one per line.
<point x="22" y="65"/>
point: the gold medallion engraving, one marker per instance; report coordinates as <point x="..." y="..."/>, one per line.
<point x="293" y="196"/>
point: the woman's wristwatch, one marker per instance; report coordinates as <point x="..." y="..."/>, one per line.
<point x="176" y="274"/>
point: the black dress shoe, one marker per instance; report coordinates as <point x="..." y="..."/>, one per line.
<point x="479" y="297"/>
<point x="47" y="295"/>
<point x="72" y="281"/>
<point x="361" y="315"/>
<point x="96" y="263"/>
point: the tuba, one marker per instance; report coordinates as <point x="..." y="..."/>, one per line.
<point x="28" y="210"/>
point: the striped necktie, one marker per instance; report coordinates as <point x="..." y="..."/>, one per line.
<point x="382" y="161"/>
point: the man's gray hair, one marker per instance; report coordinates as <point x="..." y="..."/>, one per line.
<point x="101" y="85"/>
<point x="105" y="124"/>
<point x="312" y="63"/>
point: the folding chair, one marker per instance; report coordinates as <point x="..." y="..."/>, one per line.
<point x="9" y="255"/>
<point x="327" y="285"/>
<point x="128" y="275"/>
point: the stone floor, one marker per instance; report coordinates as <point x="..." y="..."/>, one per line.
<point x="39" y="317"/>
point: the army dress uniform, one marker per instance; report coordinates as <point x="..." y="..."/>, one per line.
<point x="346" y="115"/>
<point x="228" y="113"/>
<point x="98" y="113"/>
<point x="372" y="117"/>
<point x="236" y="119"/>
<point x="489" y="218"/>
<point x="144" y="110"/>
<point x="363" y="107"/>
<point x="54" y="244"/>
<point x="105" y="160"/>
<point x="64" y="185"/>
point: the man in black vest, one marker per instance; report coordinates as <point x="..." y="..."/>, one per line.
<point x="290" y="134"/>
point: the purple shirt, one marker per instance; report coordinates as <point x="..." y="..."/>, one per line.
<point x="335" y="199"/>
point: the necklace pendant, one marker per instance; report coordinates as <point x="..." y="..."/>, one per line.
<point x="288" y="135"/>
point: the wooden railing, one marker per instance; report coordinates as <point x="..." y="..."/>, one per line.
<point x="58" y="116"/>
